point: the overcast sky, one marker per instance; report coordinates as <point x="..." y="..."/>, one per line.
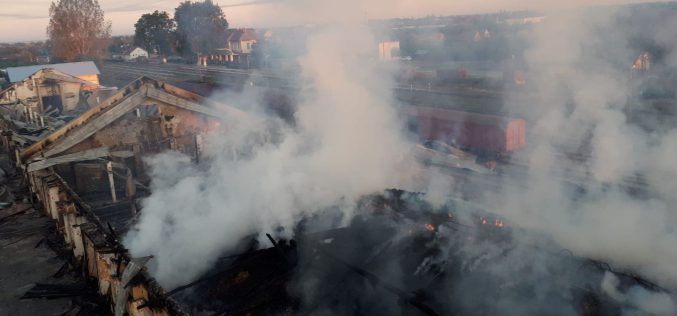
<point x="26" y="20"/>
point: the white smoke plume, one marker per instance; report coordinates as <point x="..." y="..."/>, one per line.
<point x="582" y="78"/>
<point x="347" y="142"/>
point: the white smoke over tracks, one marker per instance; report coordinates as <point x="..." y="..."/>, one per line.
<point x="582" y="91"/>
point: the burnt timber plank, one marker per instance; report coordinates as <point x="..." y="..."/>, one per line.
<point x="223" y="113"/>
<point x="182" y="103"/>
<point x="87" y="130"/>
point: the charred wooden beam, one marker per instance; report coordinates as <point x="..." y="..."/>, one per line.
<point x="84" y="155"/>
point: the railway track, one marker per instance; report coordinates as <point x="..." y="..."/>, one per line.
<point x="120" y="74"/>
<point x="179" y="72"/>
<point x="123" y="73"/>
<point x="183" y="69"/>
<point x="465" y="99"/>
<point x="468" y="100"/>
<point x="238" y="77"/>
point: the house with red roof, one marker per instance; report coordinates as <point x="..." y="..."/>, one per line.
<point x="239" y="45"/>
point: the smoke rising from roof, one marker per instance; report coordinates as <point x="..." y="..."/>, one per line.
<point x="265" y="174"/>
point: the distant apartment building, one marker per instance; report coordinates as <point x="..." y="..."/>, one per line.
<point x="642" y="63"/>
<point x="525" y="20"/>
<point x="388" y="50"/>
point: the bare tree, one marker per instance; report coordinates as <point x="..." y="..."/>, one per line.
<point x="77" y="30"/>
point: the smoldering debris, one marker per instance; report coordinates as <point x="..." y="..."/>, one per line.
<point x="463" y="264"/>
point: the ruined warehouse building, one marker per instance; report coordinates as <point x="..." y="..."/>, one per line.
<point x="47" y="90"/>
<point x="40" y="102"/>
<point x="87" y="174"/>
<point x="61" y="88"/>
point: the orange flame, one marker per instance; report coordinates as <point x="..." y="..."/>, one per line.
<point x="430" y="227"/>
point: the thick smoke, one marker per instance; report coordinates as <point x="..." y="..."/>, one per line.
<point x="600" y="180"/>
<point x="596" y="207"/>
<point x="265" y="174"/>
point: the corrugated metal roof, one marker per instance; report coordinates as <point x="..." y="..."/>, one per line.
<point x="74" y="69"/>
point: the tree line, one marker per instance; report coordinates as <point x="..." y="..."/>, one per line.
<point x="197" y="27"/>
<point x="78" y="30"/>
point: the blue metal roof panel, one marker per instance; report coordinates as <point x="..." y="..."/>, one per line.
<point x="74" y="69"/>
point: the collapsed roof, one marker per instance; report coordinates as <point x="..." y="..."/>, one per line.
<point x="45" y="100"/>
<point x="127" y="100"/>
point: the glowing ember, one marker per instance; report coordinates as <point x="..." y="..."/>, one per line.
<point x="484" y="220"/>
<point x="499" y="223"/>
<point x="430" y="227"/>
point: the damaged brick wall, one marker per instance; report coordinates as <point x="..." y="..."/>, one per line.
<point x="85" y="176"/>
<point x="152" y="128"/>
<point x="100" y="256"/>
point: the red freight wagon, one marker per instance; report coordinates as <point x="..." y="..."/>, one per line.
<point x="477" y="132"/>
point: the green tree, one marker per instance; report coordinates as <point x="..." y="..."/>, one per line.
<point x="119" y="43"/>
<point x="77" y="30"/>
<point x="200" y="27"/>
<point x="153" y="31"/>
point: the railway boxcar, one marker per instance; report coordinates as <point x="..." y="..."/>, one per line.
<point x="481" y="133"/>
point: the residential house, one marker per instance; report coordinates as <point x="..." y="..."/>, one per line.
<point x="85" y="70"/>
<point x="133" y="54"/>
<point x="239" y="46"/>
